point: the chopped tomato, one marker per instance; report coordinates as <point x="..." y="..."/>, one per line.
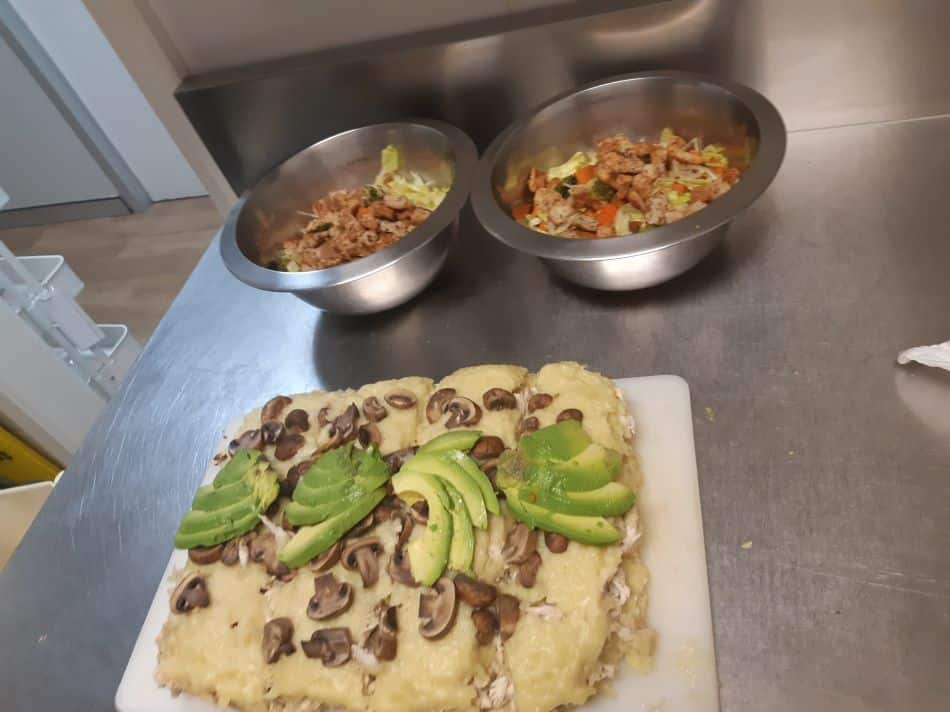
<point x="606" y="214"/>
<point x="585" y="174"/>
<point x="730" y="175"/>
<point x="521" y="211"/>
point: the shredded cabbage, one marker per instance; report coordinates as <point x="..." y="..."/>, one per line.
<point x="666" y="135"/>
<point x="389" y="159"/>
<point x="411" y="185"/>
<point x="570" y="166"/>
<point x="677" y="198"/>
<point x="626" y="215"/>
<point x="714" y="155"/>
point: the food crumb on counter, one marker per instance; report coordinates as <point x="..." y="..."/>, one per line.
<point x="747" y="544"/>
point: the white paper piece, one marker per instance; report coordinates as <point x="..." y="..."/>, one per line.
<point x="937" y="355"/>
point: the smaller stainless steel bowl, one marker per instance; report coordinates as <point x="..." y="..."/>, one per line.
<point x="639" y="105"/>
<point x="269" y="213"/>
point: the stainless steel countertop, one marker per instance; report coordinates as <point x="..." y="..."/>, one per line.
<point x="812" y="444"/>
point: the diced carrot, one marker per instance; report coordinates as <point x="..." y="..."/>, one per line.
<point x="585" y="174"/>
<point x="679" y="187"/>
<point x="521" y="211"/>
<point x="606" y="214"/>
<point x="717" y="170"/>
<point x="364" y="210"/>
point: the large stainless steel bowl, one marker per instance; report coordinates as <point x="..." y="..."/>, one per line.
<point x="639" y="105"/>
<point x="268" y="214"/>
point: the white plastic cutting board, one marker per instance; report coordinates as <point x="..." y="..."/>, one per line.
<point x="684" y="674"/>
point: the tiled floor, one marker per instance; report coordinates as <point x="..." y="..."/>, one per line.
<point x="134" y="265"/>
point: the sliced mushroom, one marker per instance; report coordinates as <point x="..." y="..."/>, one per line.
<point x="190" y="593"/>
<point x="419" y="511"/>
<point x="360" y="555"/>
<point x="297" y="420"/>
<point x="539" y="401"/>
<point x="363" y="525"/>
<point x="373" y="410"/>
<point x="508" y="610"/>
<point x="274" y="407"/>
<point x="528" y="571"/>
<point x="401" y="398"/>
<point x="486" y="625"/>
<point x="570" y="414"/>
<point x="277" y="639"/>
<point x="382" y="639"/>
<point x="527" y="425"/>
<point x="477" y="594"/>
<point x="331" y="645"/>
<point x="271" y="431"/>
<point x="344" y="425"/>
<point x="499" y="399"/>
<point x="399" y="571"/>
<point x="556" y="543"/>
<point x="323" y="416"/>
<point x="263" y="550"/>
<point x="487" y="447"/>
<point x="462" y="412"/>
<point x="328" y="559"/>
<point x="521" y="542"/>
<point x="248" y="440"/>
<point x="490" y="468"/>
<point x="330" y="598"/>
<point x="368" y="434"/>
<point x="289" y="483"/>
<point x="232" y="552"/>
<point x="288" y="445"/>
<point x="438" y="402"/>
<point x="437" y="609"/>
<point x="204" y="555"/>
<point x="396" y="459"/>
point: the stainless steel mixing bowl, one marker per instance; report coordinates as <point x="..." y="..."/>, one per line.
<point x="638" y="105"/>
<point x="268" y="214"/>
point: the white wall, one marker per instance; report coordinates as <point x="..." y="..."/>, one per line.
<point x="81" y="52"/>
<point x="42" y="161"/>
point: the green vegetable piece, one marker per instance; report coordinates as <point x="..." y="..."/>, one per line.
<point x="389" y="159"/>
<point x="479" y="477"/>
<point x="596" y="531"/>
<point x="197" y="521"/>
<point x="310" y="541"/>
<point x="236" y="467"/>
<point x="462" y="550"/>
<point x="593" y="467"/>
<point x="209" y="497"/>
<point x="308" y="496"/>
<point x="450" y="473"/>
<point x="570" y="180"/>
<point x="560" y="441"/>
<point x="610" y="500"/>
<point x="601" y="190"/>
<point x="563" y="190"/>
<point x="462" y="440"/>
<point x="428" y="554"/>
<point x="224" y="532"/>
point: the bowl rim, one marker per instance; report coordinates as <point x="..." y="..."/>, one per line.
<point x="755" y="180"/>
<point x="248" y="271"/>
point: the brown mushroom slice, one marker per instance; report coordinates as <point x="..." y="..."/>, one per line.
<point x="438" y="402"/>
<point x="248" y="440"/>
<point x="437" y="608"/>
<point x="528" y="571"/>
<point x="232" y="552"/>
<point x="556" y="543"/>
<point x="204" y="555"/>
<point x="521" y="542"/>
<point x="271" y="431"/>
<point x="499" y="399"/>
<point x="399" y="571"/>
<point x="323" y="416"/>
<point x="190" y="593"/>
<point x="373" y="410"/>
<point x="486" y="625"/>
<point x="462" y="412"/>
<point x="477" y="594"/>
<point x="288" y="445"/>
<point x="570" y="414"/>
<point x="274" y="407"/>
<point x="262" y="549"/>
<point x="509" y="612"/>
<point x="277" y="639"/>
<point x="344" y="425"/>
<point x="419" y="511"/>
<point x="396" y="459"/>
<point x="297" y="420"/>
<point x="382" y="640"/>
<point x="330" y="598"/>
<point x="332" y="646"/>
<point x="401" y="398"/>
<point x="328" y="559"/>
<point x="539" y="401"/>
<point x="369" y="434"/>
<point x="487" y="447"/>
<point x="363" y="525"/>
<point x="527" y="425"/>
<point x="360" y="555"/>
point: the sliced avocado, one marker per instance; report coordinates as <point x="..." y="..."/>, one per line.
<point x="197" y="521"/>
<point x="462" y="440"/>
<point x="611" y="500"/>
<point x="334" y="465"/>
<point x="587" y="530"/>
<point x="265" y="487"/>
<point x="593" y="467"/>
<point x="429" y="553"/>
<point x="560" y="441"/>
<point x="480" y="478"/>
<point x="310" y="541"/>
<point x="310" y="496"/>
<point x="224" y="532"/>
<point x="462" y="550"/>
<point x="299" y="512"/>
<point x="447" y="470"/>
<point x="209" y="497"/>
<point x="236" y="467"/>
